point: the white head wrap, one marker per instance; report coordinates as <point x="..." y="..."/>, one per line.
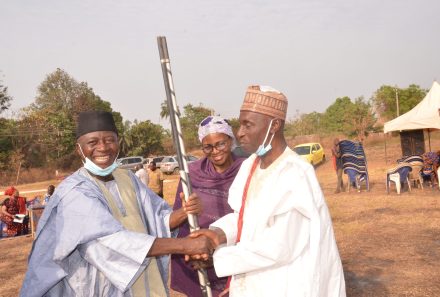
<point x="215" y="124"/>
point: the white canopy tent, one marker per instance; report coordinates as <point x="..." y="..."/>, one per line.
<point x="425" y="115"/>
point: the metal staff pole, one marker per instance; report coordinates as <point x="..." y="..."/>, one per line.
<point x="180" y="147"/>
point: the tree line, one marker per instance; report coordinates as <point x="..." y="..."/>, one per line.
<point x="43" y="133"/>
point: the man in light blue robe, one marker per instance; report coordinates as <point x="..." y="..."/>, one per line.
<point x="82" y="248"/>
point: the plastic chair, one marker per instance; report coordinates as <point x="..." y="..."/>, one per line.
<point x="416" y="163"/>
<point x="2" y="226"/>
<point x="354" y="164"/>
<point x="394" y="177"/>
<point x="415" y="176"/>
<point x="35" y="214"/>
<point x="438" y="175"/>
<point x="399" y="174"/>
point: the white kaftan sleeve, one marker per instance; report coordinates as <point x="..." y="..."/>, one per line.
<point x="228" y="224"/>
<point x="121" y="256"/>
<point x="278" y="244"/>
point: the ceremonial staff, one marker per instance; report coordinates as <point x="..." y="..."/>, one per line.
<point x="180" y="148"/>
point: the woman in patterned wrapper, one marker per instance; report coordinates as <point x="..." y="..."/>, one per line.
<point x="210" y="178"/>
<point x="430" y="166"/>
<point x="11" y="206"/>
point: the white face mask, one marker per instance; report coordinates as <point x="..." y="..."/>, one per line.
<point x="262" y="150"/>
<point x="95" y="169"/>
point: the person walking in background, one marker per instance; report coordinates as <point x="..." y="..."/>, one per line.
<point x="104" y="233"/>
<point x="155" y="179"/>
<point x="337" y="164"/>
<point x="279" y="241"/>
<point x="50" y="190"/>
<point x="210" y="178"/>
<point x="142" y="174"/>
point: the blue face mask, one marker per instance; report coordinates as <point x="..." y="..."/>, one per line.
<point x="262" y="150"/>
<point x="95" y="169"/>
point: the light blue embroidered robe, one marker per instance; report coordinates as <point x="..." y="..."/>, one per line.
<point x="80" y="249"/>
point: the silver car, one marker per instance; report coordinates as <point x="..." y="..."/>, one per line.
<point x="130" y="162"/>
<point x="170" y="165"/>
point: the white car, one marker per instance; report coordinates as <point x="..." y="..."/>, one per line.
<point x="170" y="165"/>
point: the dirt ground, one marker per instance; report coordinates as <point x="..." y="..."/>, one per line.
<point x="389" y="243"/>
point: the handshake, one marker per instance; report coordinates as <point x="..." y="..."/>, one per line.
<point x="200" y="246"/>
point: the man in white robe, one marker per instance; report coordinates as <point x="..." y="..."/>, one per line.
<point x="142" y="174"/>
<point x="103" y="232"/>
<point x="279" y="241"/>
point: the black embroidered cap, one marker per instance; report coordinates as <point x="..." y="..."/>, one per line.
<point x="94" y="120"/>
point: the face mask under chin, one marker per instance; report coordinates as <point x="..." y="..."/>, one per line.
<point x="95" y="169"/>
<point x="263" y="150"/>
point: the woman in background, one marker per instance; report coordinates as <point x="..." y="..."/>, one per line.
<point x="211" y="178"/>
<point x="11" y="206"/>
<point x="430" y="166"/>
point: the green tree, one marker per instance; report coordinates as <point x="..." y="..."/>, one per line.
<point x="164" y="111"/>
<point x="52" y="117"/>
<point x="125" y="140"/>
<point x="146" y="138"/>
<point x="235" y="124"/>
<point x="6" y="145"/>
<point x="190" y="121"/>
<point x="304" y="124"/>
<point x="384" y="100"/>
<point x="359" y="119"/>
<point x="5" y="99"/>
<point x="349" y="118"/>
<point x="5" y="133"/>
<point x="334" y="118"/>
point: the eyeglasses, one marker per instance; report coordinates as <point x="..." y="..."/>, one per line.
<point x="219" y="146"/>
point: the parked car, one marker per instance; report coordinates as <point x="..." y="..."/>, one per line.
<point x="157" y="161"/>
<point x="311" y="152"/>
<point x="130" y="162"/>
<point x="170" y="165"/>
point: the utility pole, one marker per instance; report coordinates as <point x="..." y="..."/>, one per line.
<point x="397" y="103"/>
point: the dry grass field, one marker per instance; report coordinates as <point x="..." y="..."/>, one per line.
<point x="389" y="243"/>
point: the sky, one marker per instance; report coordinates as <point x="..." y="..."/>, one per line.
<point x="313" y="51"/>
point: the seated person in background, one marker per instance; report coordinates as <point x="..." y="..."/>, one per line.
<point x="50" y="190"/>
<point x="12" y="206"/>
<point x="430" y="165"/>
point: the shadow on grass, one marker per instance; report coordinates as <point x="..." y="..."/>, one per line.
<point x="367" y="283"/>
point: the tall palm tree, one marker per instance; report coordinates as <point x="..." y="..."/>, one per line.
<point x="125" y="139"/>
<point x="164" y="112"/>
